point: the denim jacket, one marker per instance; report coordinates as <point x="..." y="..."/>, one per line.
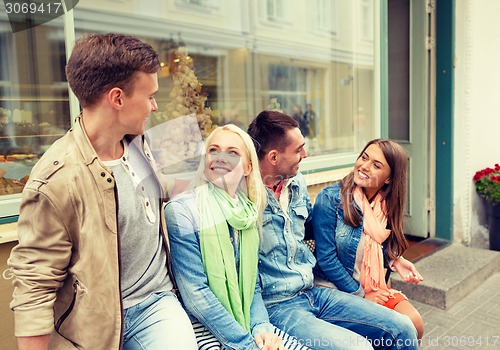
<point x="285" y="262"/>
<point x="183" y="225"/>
<point x="336" y="241"/>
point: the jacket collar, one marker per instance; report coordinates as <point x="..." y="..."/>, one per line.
<point x="83" y="142"/>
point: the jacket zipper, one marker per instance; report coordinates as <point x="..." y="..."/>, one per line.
<point x="164" y="233"/>
<point x="69" y="309"/>
<point x="122" y="316"/>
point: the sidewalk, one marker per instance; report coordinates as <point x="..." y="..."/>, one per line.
<point x="472" y="323"/>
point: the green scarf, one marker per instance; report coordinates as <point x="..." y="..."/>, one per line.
<point x="217" y="210"/>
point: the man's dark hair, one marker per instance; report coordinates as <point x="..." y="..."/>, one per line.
<point x="101" y="62"/>
<point x="268" y="131"/>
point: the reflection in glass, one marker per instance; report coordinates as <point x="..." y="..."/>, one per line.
<point x="247" y="54"/>
<point x="34" y="107"/>
<point x="243" y="57"/>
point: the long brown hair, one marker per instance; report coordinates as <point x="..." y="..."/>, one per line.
<point x="394" y="193"/>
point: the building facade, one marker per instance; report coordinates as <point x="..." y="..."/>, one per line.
<point x="422" y="72"/>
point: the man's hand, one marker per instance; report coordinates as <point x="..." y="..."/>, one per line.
<point x="269" y="341"/>
<point x="40" y="342"/>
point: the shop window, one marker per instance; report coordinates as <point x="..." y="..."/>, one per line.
<point x="337" y="98"/>
<point x="235" y="66"/>
<point x="292" y="88"/>
<point x="34" y="103"/>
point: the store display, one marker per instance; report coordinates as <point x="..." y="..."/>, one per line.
<point x="187" y="96"/>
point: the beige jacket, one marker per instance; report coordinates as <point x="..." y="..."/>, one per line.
<point x="66" y="265"/>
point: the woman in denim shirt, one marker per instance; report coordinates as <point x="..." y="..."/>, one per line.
<point x="214" y="244"/>
<point x="353" y="218"/>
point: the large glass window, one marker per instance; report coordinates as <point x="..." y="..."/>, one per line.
<point x="297" y="88"/>
<point x="34" y="105"/>
<point x="224" y="62"/>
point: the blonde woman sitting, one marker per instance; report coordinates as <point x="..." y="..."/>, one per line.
<point x="214" y="238"/>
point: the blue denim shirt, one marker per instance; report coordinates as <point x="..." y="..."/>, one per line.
<point x="336" y="241"/>
<point x="183" y="230"/>
<point x="285" y="262"/>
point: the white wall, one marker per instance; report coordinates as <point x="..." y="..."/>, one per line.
<point x="477" y="111"/>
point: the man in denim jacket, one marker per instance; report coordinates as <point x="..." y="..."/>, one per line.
<point x="320" y="318"/>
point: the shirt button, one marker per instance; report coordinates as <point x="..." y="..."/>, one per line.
<point x="56" y="162"/>
<point x="103" y="174"/>
<point x="109" y="180"/>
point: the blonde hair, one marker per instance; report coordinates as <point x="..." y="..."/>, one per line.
<point x="254" y="185"/>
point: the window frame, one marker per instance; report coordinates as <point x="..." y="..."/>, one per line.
<point x="330" y="17"/>
<point x="366" y="21"/>
<point x="281" y="18"/>
<point x="10" y="203"/>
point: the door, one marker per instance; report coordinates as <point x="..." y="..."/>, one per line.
<point x="409" y="26"/>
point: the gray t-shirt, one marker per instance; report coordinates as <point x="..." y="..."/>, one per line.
<point x="143" y="255"/>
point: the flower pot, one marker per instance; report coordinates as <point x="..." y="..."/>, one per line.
<point x="494" y="225"/>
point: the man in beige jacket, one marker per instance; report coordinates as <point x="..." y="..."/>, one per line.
<point x="92" y="264"/>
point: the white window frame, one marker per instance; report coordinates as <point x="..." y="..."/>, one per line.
<point x="321" y="16"/>
<point x="366" y="22"/>
<point x="280" y="15"/>
<point x="10" y="203"/>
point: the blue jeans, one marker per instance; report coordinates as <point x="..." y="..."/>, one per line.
<point x="159" y="322"/>
<point x="324" y="318"/>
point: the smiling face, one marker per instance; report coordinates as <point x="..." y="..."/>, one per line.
<point x="226" y="160"/>
<point x="140" y="102"/>
<point x="371" y="171"/>
<point x="288" y="161"/>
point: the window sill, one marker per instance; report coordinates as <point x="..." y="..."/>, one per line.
<point x="8" y="232"/>
<point x="328" y="176"/>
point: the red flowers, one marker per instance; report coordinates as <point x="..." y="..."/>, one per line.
<point x="487" y="183"/>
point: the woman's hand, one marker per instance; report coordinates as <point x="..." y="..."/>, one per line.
<point x="269" y="341"/>
<point x="407" y="270"/>
<point x="378" y="296"/>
